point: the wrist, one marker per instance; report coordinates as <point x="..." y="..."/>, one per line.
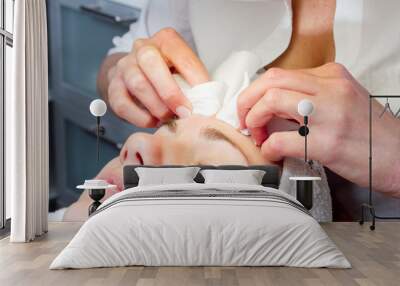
<point x="393" y="173"/>
<point x="106" y="73"/>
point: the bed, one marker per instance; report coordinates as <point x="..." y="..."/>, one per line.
<point x="199" y="224"/>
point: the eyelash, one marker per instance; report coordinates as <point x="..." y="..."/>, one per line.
<point x="171" y="125"/>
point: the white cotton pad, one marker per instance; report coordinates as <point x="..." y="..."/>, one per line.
<point x="228" y="111"/>
<point x="219" y="97"/>
<point x="232" y="72"/>
<point x="236" y="72"/>
<point x="206" y="98"/>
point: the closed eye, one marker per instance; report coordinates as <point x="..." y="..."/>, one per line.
<point x="216" y="135"/>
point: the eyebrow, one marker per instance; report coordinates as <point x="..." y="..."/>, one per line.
<point x="209" y="133"/>
<point x="214" y="134"/>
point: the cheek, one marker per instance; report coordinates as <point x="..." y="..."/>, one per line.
<point x="234" y="157"/>
<point x="112" y="173"/>
<point x="176" y="152"/>
<point x="220" y="153"/>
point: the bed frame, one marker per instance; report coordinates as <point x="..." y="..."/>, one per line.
<point x="270" y="179"/>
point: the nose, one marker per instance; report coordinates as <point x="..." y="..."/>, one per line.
<point x="141" y="149"/>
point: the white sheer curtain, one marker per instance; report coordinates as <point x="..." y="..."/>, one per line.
<point x="27" y="124"/>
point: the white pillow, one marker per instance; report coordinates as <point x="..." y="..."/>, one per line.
<point x="165" y="176"/>
<point x="248" y="177"/>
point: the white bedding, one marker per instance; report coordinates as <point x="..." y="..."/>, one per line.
<point x="183" y="230"/>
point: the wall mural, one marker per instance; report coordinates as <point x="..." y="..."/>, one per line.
<point x="120" y="97"/>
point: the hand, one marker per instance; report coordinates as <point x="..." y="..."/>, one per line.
<point x="338" y="127"/>
<point x="141" y="87"/>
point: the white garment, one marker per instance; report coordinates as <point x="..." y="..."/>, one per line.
<point x="158" y="14"/>
<point x="367" y="37"/>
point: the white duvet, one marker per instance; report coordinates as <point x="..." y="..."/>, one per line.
<point x="190" y="230"/>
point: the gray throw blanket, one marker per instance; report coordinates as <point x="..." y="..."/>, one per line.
<point x="322" y="202"/>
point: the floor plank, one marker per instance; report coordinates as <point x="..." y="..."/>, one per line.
<point x="375" y="257"/>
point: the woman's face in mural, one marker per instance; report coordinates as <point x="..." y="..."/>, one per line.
<point x="197" y="140"/>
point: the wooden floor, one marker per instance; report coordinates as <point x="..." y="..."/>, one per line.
<point x="375" y="257"/>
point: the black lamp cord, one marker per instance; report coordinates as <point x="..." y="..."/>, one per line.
<point x="98" y="138"/>
<point x="305" y="138"/>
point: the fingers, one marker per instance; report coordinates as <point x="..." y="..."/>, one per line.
<point x="178" y="53"/>
<point x="259" y="135"/>
<point x="139" y="87"/>
<point x="276" y="102"/>
<point x="157" y="72"/>
<point x="124" y="106"/>
<point x="149" y="84"/>
<point x="283" y="144"/>
<point x="275" y="78"/>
